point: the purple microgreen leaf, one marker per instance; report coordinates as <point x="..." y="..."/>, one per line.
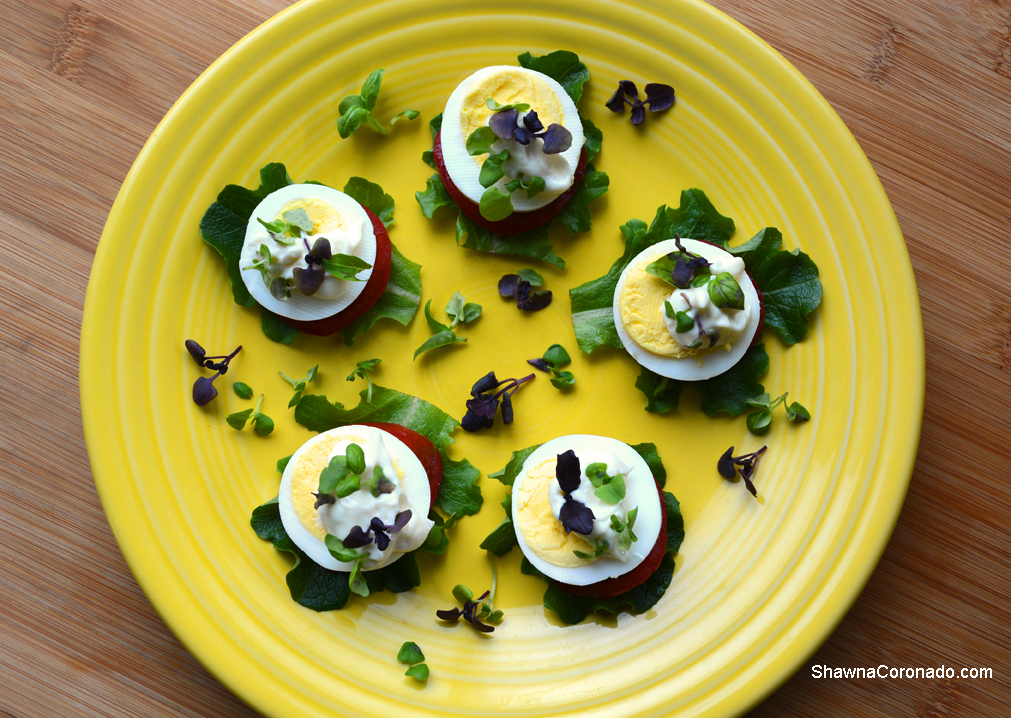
<point x="576" y="516"/>
<point x="507" y="408"/>
<point x="617" y="101"/>
<point x="453" y="614"/>
<point x="399" y="522"/>
<point x="483" y="627"/>
<point x="321" y="249"/>
<point x="726" y="464"/>
<point x="567" y="471"/>
<point x="522" y="291"/>
<point x="485" y="406"/>
<point x="279" y="289"/>
<point x="681" y="276"/>
<point x="196" y="351"/>
<point x="522" y="135"/>
<point x="357" y="538"/>
<point x="485" y="384"/>
<point x="204" y="391"/>
<point x="309" y="280"/>
<point x="503" y="124"/>
<point x="508" y="284"/>
<point x="638" y="114"/>
<point x="556" y="139"/>
<point x="537" y="301"/>
<point x="475" y="422"/>
<point x="539" y="364"/>
<point x="532" y="122"/>
<point x="659" y="96"/>
<point x="629" y="88"/>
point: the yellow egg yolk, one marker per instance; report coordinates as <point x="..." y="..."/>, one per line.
<point x="305" y="480"/>
<point x="324" y="216"/>
<point x="509" y="87"/>
<point x="543" y="533"/>
<point x="641" y="307"/>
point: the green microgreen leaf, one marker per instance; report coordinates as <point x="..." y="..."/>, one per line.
<point x="462" y="594"/>
<point x="349" y="123"/>
<point x="480" y="141"/>
<point x="599" y="549"/>
<point x="762" y="401"/>
<point x="336" y="548"/>
<point x="759" y="422"/>
<point x="471" y="311"/>
<point x="419" y="672"/>
<point x="262" y="424"/>
<point x="612" y="491"/>
<point x="297" y="219"/>
<point x="356" y="458"/>
<point x="491" y="169"/>
<point x="562" y="66"/>
<point x="556" y="356"/>
<point x="725" y="292"/>
<point x="333" y="474"/>
<point x="454" y="307"/>
<point x="357" y="109"/>
<point x="434" y="324"/>
<point x="282" y="464"/>
<point x="362" y="372"/>
<point x="370" y="89"/>
<point x="349" y="101"/>
<point x="434" y="196"/>
<point x="243" y="391"/>
<point x="346" y="267"/>
<point x="797" y="412"/>
<point x="347" y="486"/>
<point x="494" y="106"/>
<point x="684" y="322"/>
<point x="597" y="473"/>
<point x="356" y="582"/>
<point x="503" y="538"/>
<point x="563" y="380"/>
<point x="441" y="339"/>
<point x="532" y="276"/>
<point x="238" y="420"/>
<point x="495" y="205"/>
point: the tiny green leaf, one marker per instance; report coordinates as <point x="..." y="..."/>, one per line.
<point x="370" y="90"/>
<point x="356" y="582"/>
<point x="684" y="322"/>
<point x="243" y="391"/>
<point x="350" y="122"/>
<point x="462" y="594"/>
<point x="409" y="114"/>
<point x="238" y="420"/>
<point x="532" y="276"/>
<point x="597" y="473"/>
<point x="563" y="380"/>
<point x="347" y="486"/>
<point x="336" y="470"/>
<point x="491" y="169"/>
<point x="491" y="104"/>
<point x="613" y="491"/>
<point x="454" y="308"/>
<point x="762" y="401"/>
<point x="419" y="672"/>
<point x="410" y="653"/>
<point x="355" y="458"/>
<point x="336" y="548"/>
<point x="299" y="219"/>
<point x="725" y="292"/>
<point x="759" y="422"/>
<point x="471" y="311"/>
<point x="480" y="141"/>
<point x="441" y="339"/>
<point x="282" y="464"/>
<point x="434" y="324"/>
<point x="346" y="267"/>
<point x="351" y="101"/>
<point x="797" y="412"/>
<point x="556" y="356"/>
<point x="262" y="424"/>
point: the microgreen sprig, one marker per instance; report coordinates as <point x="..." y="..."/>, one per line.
<point x="410" y="653"/>
<point x="683" y="269"/>
<point x="290" y="227"/>
<point x="574" y="514"/>
<point x="357" y="109"/>
<point x="486" y="395"/>
<point x="262" y="424"/>
<point x="474" y="611"/>
<point x="745" y="464"/>
<point x="759" y="422"/>
<point x="459" y="311"/>
<point x="519" y="286"/>
<point x="242" y="390"/>
<point x="362" y="372"/>
<point x="299" y="384"/>
<point x="658" y="97"/>
<point x="609" y="489"/>
<point x="203" y="388"/>
<point x="552" y="362"/>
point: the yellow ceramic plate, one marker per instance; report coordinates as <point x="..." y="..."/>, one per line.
<point x="759" y="585"/>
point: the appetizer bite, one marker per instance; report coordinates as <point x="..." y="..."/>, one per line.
<point x="686" y="309"/>
<point x="590" y="515"/>
<point x="512" y="154"/>
<point x="316" y="259"/>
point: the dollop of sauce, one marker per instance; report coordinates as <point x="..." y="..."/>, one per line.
<point x="698" y="305"/>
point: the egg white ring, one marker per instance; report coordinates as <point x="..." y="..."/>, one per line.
<point x="413" y="481"/>
<point x="641" y="488"/>
<point x="687" y="368"/>
<point x="299" y="306"/>
<point x="462" y="168"/>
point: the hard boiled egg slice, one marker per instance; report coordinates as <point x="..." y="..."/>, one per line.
<point x="639" y="317"/>
<point x="506" y="84"/>
<point x="540" y="534"/>
<point x="307" y="526"/>
<point x="335" y="216"/>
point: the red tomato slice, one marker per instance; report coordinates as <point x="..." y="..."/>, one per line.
<point x="518" y="221"/>
<point x="374" y="289"/>
<point x="424" y="449"/>
<point x="611" y="587"/>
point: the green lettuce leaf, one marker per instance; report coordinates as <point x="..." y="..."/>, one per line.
<point x="789" y="282"/>
<point x="369" y="194"/>
<point x="562" y="66"/>
<point x="575" y="215"/>
<point x="675" y="523"/>
<point x="728" y="392"/>
<point x="459" y="493"/>
<point x="434" y="196"/>
<point x="662" y="393"/>
<point x="649" y="454"/>
<point x="533" y="244"/>
<point x="503" y="538"/>
<point x="593" y="138"/>
<point x="512" y="469"/>
<point x="435" y="124"/>
<point x="276" y="329"/>
<point x="399" y="302"/>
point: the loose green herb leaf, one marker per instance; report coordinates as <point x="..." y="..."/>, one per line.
<point x="356" y="110"/>
<point x="399" y="302"/>
<point x="238" y="420"/>
<point x="297" y="219"/>
<point x="299" y="384"/>
<point x="356" y="458"/>
<point x="370" y="195"/>
<point x="491" y="104"/>
<point x="762" y="401"/>
<point x="434" y="324"/>
<point x="532" y="276"/>
<point x="563" y="380"/>
<point x="262" y="424"/>
<point x="612" y="490"/>
<point x="243" y="391"/>
<point x="562" y="66"/>
<point x="492" y="170"/>
<point x="797" y="412"/>
<point x="333" y="474"/>
<point x="759" y="422"/>
<point x="462" y="311"/>
<point x="410" y="653"/>
<point x="598" y="550"/>
<point x="336" y="548"/>
<point x="362" y="372"/>
<point x="725" y="292"/>
<point x="434" y="196"/>
<point x="282" y="464"/>
<point x="356" y="581"/>
<point x="346" y="267"/>
<point x="480" y="141"/>
<point x="592" y="302"/>
<point x="442" y="339"/>
<point x="495" y="205"/>
<point x="419" y="672"/>
<point x="556" y="356"/>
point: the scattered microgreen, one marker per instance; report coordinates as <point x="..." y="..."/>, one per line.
<point x="410" y="653"/>
<point x="474" y="611"/>
<point x="442" y="335"/>
<point x="242" y="390"/>
<point x="356" y="580"/>
<point x="356" y="110"/>
<point x="725" y="292"/>
<point x="552" y="362"/>
<point x="519" y="289"/>
<point x="658" y="96"/>
<point x="299" y="384"/>
<point x="609" y="489"/>
<point x="203" y="388"/>
<point x="562" y="66"/>
<point x="362" y="370"/>
<point x="532" y="276"/>
<point x="745" y="464"/>
<point x="462" y="311"/>
<point x="262" y="424"/>
<point x="760" y="421"/>
<point x="485" y="399"/>
<point x="338" y="550"/>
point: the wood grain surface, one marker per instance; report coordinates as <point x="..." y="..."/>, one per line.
<point x="924" y="86"/>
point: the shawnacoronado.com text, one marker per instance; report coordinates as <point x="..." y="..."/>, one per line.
<point x="883" y="671"/>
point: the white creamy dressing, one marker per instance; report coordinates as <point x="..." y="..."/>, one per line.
<point x="286" y="257"/>
<point x="696" y="302"/>
<point x="530" y="161"/>
<point x="602" y="511"/>
<point x="360" y="507"/>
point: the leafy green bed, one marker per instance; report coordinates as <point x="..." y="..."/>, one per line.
<point x="224" y="227"/>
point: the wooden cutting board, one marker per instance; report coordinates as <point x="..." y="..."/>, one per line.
<point x="926" y="89"/>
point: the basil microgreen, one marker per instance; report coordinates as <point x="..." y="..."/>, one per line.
<point x="474" y="611"/>
<point x="460" y="310"/>
<point x="480" y="141"/>
<point x="262" y="424"/>
<point x="495" y="205"/>
<point x="574" y="514"/>
<point x="531" y="276"/>
<point x="410" y="653"/>
<point x="356" y="581"/>
<point x="362" y="372"/>
<point x="683" y="269"/>
<point x="533" y="186"/>
<point x="357" y="109"/>
<point x="346" y="267"/>
<point x="491" y="104"/>
<point x="519" y="288"/>
<point x="203" y="388"/>
<point x="745" y="464"/>
<point x="684" y="322"/>
<point x="337" y="549"/>
<point x="725" y="292"/>
<point x="299" y="384"/>
<point x="486" y="397"/>
<point x="658" y="97"/>
<point x="552" y="361"/>
<point x="262" y="262"/>
<point x="242" y="390"/>
<point x="624" y="530"/>
<point x="356" y="458"/>
<point x="610" y="489"/>
<point x="598" y="550"/>
<point x="759" y="422"/>
<point x="379" y="484"/>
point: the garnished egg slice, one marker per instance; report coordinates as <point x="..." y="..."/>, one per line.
<point x="540" y="534"/>
<point x="335" y="216"/>
<point x="308" y="526"/>
<point x="639" y="317"/>
<point x="466" y="110"/>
